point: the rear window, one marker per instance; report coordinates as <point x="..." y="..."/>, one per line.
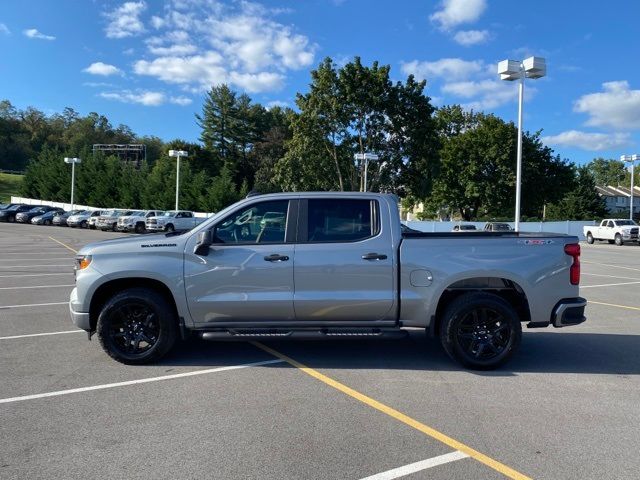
<point x="335" y="220"/>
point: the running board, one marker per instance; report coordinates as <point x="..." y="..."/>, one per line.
<point x="328" y="333"/>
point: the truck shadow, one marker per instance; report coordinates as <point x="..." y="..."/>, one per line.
<point x="540" y="352"/>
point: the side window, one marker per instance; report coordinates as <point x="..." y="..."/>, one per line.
<point x="263" y="222"/>
<point x="188" y="215"/>
<point x="179" y="215"/>
<point x="335" y="220"/>
<point x="610" y="224"/>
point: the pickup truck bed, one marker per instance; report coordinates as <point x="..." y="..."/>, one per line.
<point x="325" y="265"/>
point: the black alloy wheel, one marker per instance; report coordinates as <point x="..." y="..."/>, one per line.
<point x="137" y="326"/>
<point x="480" y="330"/>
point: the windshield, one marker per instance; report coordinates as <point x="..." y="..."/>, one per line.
<point x="37" y="209"/>
<point x="167" y="214"/>
<point x="110" y="213"/>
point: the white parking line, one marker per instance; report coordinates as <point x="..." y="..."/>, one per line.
<point x="32" y="266"/>
<point x="43" y="286"/>
<point x="137" y="382"/>
<point x="35" y="275"/>
<point x="418" y="466"/>
<point x="609" y="285"/>
<point x="610" y="265"/>
<point x="31" y="253"/>
<point x="2" y="307"/>
<point x="13" y="337"/>
<point x="609" y="276"/>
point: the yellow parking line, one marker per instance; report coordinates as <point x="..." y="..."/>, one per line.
<point x="64" y="245"/>
<point x="615" y="305"/>
<point x="435" y="434"/>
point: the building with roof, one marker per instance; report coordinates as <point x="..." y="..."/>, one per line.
<point x="618" y="200"/>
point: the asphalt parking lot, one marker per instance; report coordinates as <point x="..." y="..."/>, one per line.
<point x="567" y="406"/>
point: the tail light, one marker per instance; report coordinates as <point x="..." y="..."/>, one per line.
<point x="573" y="249"/>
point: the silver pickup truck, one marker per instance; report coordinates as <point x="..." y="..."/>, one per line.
<point x="324" y="265"/>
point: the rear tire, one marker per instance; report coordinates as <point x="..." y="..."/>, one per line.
<point x="83" y="224"/>
<point x="139" y="227"/>
<point x="480" y="330"/>
<point x="589" y="238"/>
<point x="137" y="326"/>
<point x="618" y="240"/>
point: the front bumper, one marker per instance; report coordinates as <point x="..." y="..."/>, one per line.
<point x="80" y="319"/>
<point x="568" y="312"/>
<point x="155" y="227"/>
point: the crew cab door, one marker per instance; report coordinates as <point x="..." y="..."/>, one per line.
<point x="344" y="265"/>
<point x="246" y="275"/>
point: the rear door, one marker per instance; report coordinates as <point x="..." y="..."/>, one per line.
<point x="247" y="273"/>
<point x="344" y="262"/>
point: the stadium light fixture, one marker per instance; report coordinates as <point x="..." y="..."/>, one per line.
<point x="178" y="154"/>
<point x="366" y="157"/>
<point x="510" y="70"/>
<point x="72" y="161"/>
<point x="631" y="159"/>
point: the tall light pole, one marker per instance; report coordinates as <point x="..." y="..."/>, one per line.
<point x="631" y="159"/>
<point x="178" y="154"/>
<point x="510" y="70"/>
<point x="366" y="157"/>
<point x="72" y="161"/>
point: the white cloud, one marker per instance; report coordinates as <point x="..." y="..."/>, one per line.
<point x="125" y="21"/>
<point x="200" y="43"/>
<point x="456" y="12"/>
<point x="454" y="68"/>
<point x="4" y="29"/>
<point x="180" y="100"/>
<point x="589" y="141"/>
<point x="488" y="94"/>
<point x="104" y="69"/>
<point x="34" y="33"/>
<point x="471" y="37"/>
<point x="617" y="106"/>
<point x="276" y="103"/>
<point x="98" y="84"/>
<point x="144" y="97"/>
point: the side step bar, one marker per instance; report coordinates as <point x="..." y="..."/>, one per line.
<point x="327" y="333"/>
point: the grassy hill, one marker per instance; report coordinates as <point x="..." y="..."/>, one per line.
<point x="9" y="185"/>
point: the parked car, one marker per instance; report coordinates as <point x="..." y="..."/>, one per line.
<point x="61" y="219"/>
<point x="497" y="227"/>
<point x="109" y="219"/>
<point x="171" y="221"/>
<point x="83" y="219"/>
<point x="614" y="230"/>
<point x="337" y="266"/>
<point x="464" y="227"/>
<point x="9" y="213"/>
<point x="135" y="222"/>
<point x="46" y="218"/>
<point x="25" y="217"/>
<point x="5" y="206"/>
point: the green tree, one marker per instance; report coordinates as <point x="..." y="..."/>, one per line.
<point x="607" y="171"/>
<point x="582" y="202"/>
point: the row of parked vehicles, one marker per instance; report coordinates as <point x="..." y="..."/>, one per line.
<point x="138" y="221"/>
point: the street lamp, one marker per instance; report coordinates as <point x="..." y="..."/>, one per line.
<point x="366" y="157"/>
<point x="178" y="154"/>
<point x="510" y="70"/>
<point x="72" y="161"/>
<point x="631" y="159"/>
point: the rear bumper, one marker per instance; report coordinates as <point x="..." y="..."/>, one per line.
<point x="569" y="311"/>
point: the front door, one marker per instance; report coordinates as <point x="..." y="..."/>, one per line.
<point x="344" y="262"/>
<point x="247" y="274"/>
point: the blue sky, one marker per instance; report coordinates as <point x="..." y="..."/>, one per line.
<point x="147" y="63"/>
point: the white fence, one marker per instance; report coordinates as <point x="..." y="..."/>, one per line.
<point x="569" y="227"/>
<point x="67" y="206"/>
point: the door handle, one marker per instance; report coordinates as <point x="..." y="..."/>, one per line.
<point x="374" y="256"/>
<point x="276" y="258"/>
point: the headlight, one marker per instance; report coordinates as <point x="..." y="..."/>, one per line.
<point x="82" y="262"/>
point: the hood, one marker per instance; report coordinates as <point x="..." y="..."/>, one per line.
<point x="135" y="244"/>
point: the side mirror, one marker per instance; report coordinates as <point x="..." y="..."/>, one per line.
<point x="205" y="239"/>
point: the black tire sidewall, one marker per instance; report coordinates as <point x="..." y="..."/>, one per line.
<point x="170" y="228"/>
<point x="618" y="239"/>
<point x="589" y="238"/>
<point x="166" y="320"/>
<point x="456" y="312"/>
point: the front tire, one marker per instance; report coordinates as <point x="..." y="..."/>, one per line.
<point x="618" y="239"/>
<point x="137" y="326"/>
<point x="139" y="228"/>
<point x="480" y="330"/>
<point x="169" y="228"/>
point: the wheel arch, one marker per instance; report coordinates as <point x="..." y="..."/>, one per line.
<point x="507" y="289"/>
<point x="105" y="291"/>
